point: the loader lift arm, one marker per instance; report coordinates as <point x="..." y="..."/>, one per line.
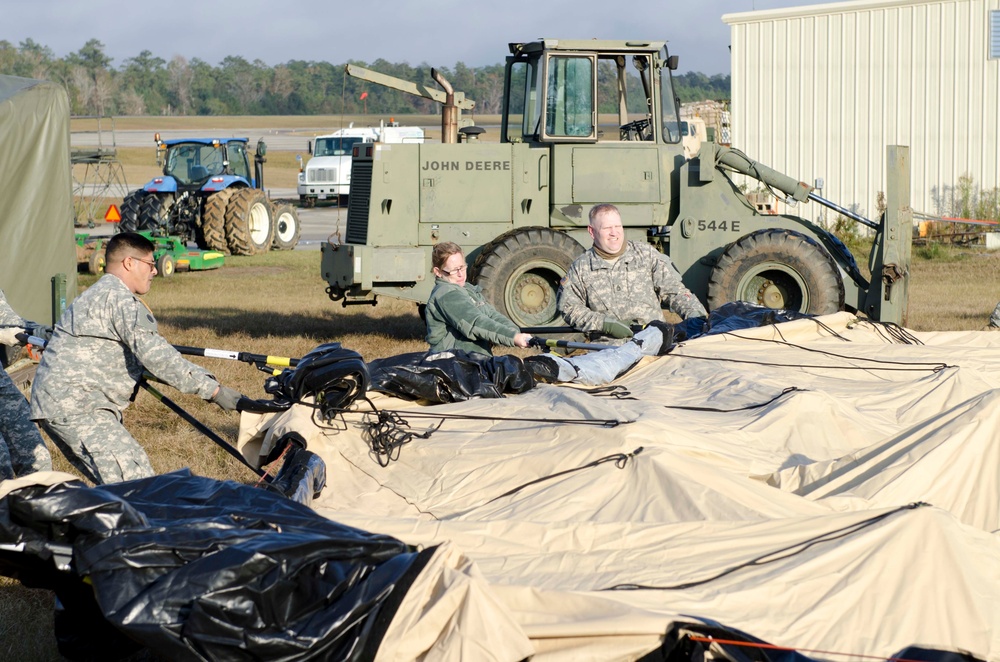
<point x="453" y="102"/>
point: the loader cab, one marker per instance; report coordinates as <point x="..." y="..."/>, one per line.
<point x="590" y="91"/>
<point x="606" y="116"/>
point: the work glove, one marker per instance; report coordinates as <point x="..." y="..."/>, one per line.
<point x="41" y="331"/>
<point x="8" y="335"/>
<point x="227" y="398"/>
<point x="615" y="328"/>
<point x="669" y="336"/>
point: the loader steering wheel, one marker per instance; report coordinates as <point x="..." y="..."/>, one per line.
<point x="638" y="130"/>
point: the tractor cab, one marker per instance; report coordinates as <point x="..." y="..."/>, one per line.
<point x="192" y="162"/>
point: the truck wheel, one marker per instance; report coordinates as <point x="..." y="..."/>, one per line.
<point x="130" y="211"/>
<point x="777" y="269"/>
<point x="165" y="265"/>
<point x="213" y="221"/>
<point x="249" y="229"/>
<point x="287" y="227"/>
<point x="520" y="272"/>
<point x="154" y="213"/>
<point x="95" y="264"/>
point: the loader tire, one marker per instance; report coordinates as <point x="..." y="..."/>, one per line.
<point x="131" y="206"/>
<point x="778" y="269"/>
<point x="520" y="271"/>
<point x="154" y="214"/>
<point x="213" y="221"/>
<point x="287" y="227"/>
<point x="249" y="227"/>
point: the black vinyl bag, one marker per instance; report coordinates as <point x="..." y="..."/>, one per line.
<point x="451" y="376"/>
<point x="193" y="568"/>
<point x="737" y="315"/>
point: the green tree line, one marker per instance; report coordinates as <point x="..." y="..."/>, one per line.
<point x="149" y="85"/>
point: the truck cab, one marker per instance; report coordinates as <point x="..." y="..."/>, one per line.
<point x="327" y="175"/>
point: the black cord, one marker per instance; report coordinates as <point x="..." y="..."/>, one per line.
<point x="620" y="460"/>
<point x="790" y="389"/>
<point x="387" y="431"/>
<point x="777" y="555"/>
<point x="933" y="367"/>
<point x="616" y="391"/>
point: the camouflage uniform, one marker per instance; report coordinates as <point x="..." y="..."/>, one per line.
<point x="460" y="318"/>
<point x="90" y="372"/>
<point x="22" y="449"/>
<point x="630" y="289"/>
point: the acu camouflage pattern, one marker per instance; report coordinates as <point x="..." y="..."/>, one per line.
<point x="93" y="364"/>
<point x="632" y="289"/>
<point x="460" y="318"/>
<point x="22" y="449"/>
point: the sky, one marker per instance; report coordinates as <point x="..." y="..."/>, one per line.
<point x="436" y="32"/>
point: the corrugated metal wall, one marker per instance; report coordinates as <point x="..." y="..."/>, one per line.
<point x="821" y="91"/>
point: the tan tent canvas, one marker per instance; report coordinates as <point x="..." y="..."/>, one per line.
<point x="829" y="485"/>
<point x="36" y="195"/>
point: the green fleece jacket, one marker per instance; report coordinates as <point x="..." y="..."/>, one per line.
<point x="460" y="318"/>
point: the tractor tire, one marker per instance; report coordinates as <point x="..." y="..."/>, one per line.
<point x="131" y="206"/>
<point x="779" y="269"/>
<point x="287" y="228"/>
<point x="213" y="221"/>
<point x="520" y="271"/>
<point x="154" y="213"/>
<point x="249" y="227"/>
<point x="165" y="265"/>
<point x="95" y="265"/>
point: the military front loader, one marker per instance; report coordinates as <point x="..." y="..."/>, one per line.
<point x="587" y="122"/>
<point x="208" y="195"/>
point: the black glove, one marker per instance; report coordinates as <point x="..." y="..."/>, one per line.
<point x="227" y="398"/>
<point x="41" y="331"/>
<point x="669" y="336"/>
<point x="615" y="328"/>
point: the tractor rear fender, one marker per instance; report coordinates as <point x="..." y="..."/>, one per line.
<point x="161" y="185"/>
<point x="227" y="181"/>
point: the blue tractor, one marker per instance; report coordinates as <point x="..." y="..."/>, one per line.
<point x="208" y="195"/>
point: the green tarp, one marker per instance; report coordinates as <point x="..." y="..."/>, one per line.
<point x="36" y="195"/>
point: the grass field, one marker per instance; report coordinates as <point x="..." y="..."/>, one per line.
<point x="275" y="304"/>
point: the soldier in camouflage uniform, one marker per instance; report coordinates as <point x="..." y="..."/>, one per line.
<point x="618" y="283"/>
<point x="92" y="366"/>
<point x="22" y="449"/>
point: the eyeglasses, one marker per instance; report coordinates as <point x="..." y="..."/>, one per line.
<point x="460" y="270"/>
<point x="151" y="263"/>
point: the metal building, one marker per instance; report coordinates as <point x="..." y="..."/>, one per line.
<point x="820" y="91"/>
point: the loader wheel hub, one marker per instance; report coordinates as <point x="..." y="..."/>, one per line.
<point x="532" y="293"/>
<point x="770" y="295"/>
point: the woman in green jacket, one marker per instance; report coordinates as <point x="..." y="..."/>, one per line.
<point x="457" y="315"/>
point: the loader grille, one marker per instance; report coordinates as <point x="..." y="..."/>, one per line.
<point x="357" y="202"/>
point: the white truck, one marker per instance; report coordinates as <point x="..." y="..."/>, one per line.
<point x="327" y="175"/>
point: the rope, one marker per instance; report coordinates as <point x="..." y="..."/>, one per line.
<point x="776" y="555"/>
<point x="620" y="460"/>
<point x="387" y="430"/>
<point x="790" y="389"/>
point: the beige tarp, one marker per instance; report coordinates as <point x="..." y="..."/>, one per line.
<point x="36" y="195"/>
<point x="772" y="494"/>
